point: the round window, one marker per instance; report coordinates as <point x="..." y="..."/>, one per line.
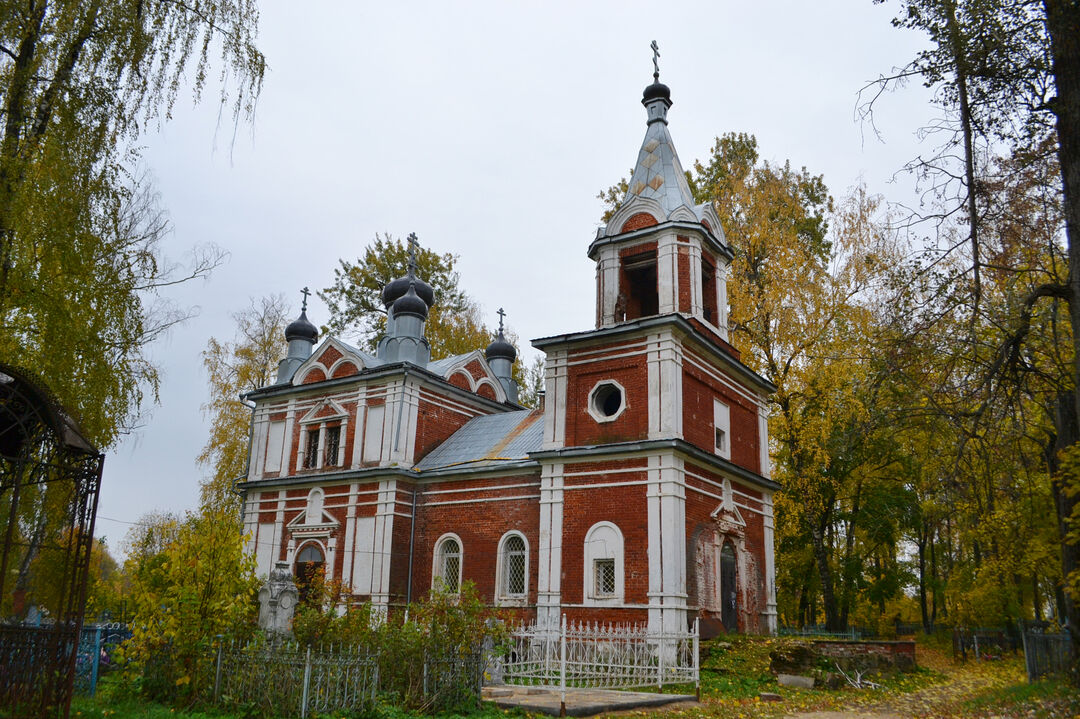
<point x="607" y="401"/>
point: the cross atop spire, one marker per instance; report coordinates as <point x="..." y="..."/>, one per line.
<point x="413" y="244"/>
<point x="305" y="292"/>
<point x="655" y="61"/>
<point x="501" y="314"/>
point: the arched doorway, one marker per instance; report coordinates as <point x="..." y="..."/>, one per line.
<point x="308" y="567"/>
<point x="729" y="615"/>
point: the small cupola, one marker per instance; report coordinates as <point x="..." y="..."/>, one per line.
<point x="408" y="300"/>
<point x="501" y="355"/>
<point x="301" y="335"/>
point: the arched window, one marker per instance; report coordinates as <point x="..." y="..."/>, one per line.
<point x="446" y="574"/>
<point x="307" y="566"/>
<point x="603" y="564"/>
<point x="513" y="569"/>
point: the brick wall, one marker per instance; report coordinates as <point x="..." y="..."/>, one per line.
<point x="626" y="507"/>
<point x="480" y="525"/>
<point x="633" y="424"/>
<point x="699" y="392"/>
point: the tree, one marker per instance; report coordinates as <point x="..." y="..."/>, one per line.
<point x="1028" y="80"/>
<point x="355" y="297"/>
<point x="199" y="586"/>
<point x="79" y="224"/>
<point x="246" y="363"/>
<point x="454" y="325"/>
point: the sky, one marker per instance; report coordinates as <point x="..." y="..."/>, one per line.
<point x="488" y="129"/>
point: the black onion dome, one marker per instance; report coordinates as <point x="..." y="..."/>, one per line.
<point x="411" y="303"/>
<point x="656" y="91"/>
<point x="501" y="349"/>
<point x="301" y="329"/>
<point x="396" y="289"/>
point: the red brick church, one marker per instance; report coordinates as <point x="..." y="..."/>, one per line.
<point x="638" y="491"/>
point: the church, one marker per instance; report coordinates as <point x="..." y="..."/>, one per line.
<point x="638" y="491"/>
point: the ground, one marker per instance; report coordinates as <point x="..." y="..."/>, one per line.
<point x="733" y="678"/>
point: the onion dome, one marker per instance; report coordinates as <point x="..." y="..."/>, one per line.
<point x="301" y="328"/>
<point x="500" y="348"/>
<point x="396" y="289"/>
<point x="411" y="303"/>
<point x="656" y="91"/>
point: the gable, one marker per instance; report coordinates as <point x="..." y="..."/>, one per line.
<point x="470" y="372"/>
<point x="330" y="360"/>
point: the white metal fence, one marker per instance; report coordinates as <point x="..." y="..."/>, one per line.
<point x="608" y="656"/>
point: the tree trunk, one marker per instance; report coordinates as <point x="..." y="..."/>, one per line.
<point x="922" y="579"/>
<point x="828" y="598"/>
<point x="1063" y="25"/>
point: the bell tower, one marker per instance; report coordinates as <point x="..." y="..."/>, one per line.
<point x="661" y="252"/>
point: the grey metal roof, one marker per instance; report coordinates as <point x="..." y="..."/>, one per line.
<point x="489" y="440"/>
<point x="658" y="174"/>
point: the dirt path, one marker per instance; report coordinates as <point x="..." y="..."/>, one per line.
<point x="943" y="699"/>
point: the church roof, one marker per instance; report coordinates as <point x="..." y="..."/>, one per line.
<point x="489" y="440"/>
<point x="658" y="174"/>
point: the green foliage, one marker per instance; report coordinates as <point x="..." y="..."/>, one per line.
<point x="246" y="363"/>
<point x="355" y="297"/>
<point x="198" y="585"/>
<point x="80" y="228"/>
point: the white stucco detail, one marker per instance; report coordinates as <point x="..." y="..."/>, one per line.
<point x="667" y="273"/>
<point x="665" y="386"/>
<point x="770" y="614"/>
<point x="667" y="543"/>
<point x="763" y="442"/>
<point x="549" y="556"/>
<point x="382" y="544"/>
<point x="555" y="388"/>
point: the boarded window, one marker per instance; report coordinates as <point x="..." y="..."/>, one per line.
<point x="373" y="434"/>
<point x="275" y="445"/>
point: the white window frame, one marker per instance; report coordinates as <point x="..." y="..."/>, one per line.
<point x="591" y="402"/>
<point x="503" y="597"/>
<point x="438" y="569"/>
<point x="604" y="540"/>
<point x="722" y="423"/>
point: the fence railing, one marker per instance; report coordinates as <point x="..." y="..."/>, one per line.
<point x="97" y="643"/>
<point x="287" y="679"/>
<point x="985" y="642"/>
<point x="851" y="633"/>
<point x="599" y="656"/>
<point x="1046" y="654"/>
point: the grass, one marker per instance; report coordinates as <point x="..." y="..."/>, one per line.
<point x="735" y="673"/>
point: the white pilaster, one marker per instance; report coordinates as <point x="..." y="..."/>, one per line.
<point x="667" y="272"/>
<point x="722" y="270"/>
<point x="607" y="279"/>
<point x="384" y="539"/>
<point x="664" y="366"/>
<point x="549" y="569"/>
<point x="350" y="534"/>
<point x="358" y="438"/>
<point x="770" y="564"/>
<point x="555" y="382"/>
<point x="763" y="443"/>
<point x="667" y="544"/>
<point x="696" y="304"/>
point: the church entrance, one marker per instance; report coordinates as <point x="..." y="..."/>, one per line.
<point x="309" y="564"/>
<point x="728" y="581"/>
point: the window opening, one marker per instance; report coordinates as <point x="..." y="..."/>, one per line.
<point x="639" y="286"/>
<point x="450" y="565"/>
<point x="333" y="443"/>
<point x="708" y="292"/>
<point x="604" y="577"/>
<point x="722" y="428"/>
<point x="514" y="567"/>
<point x="311" y="451"/>
<point x="728" y="588"/>
<point x="308" y="567"/>
<point x="607" y="399"/>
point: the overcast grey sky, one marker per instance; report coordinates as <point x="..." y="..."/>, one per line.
<point x="487" y="128"/>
